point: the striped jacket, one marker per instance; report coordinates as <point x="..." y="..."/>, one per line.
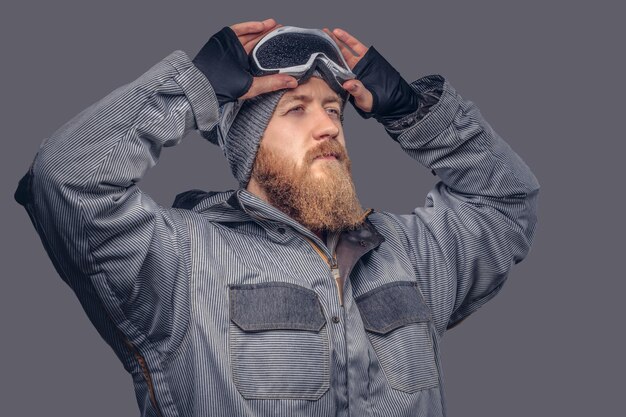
<point x="225" y="306"/>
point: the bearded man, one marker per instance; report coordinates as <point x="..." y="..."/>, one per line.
<point x="284" y="297"/>
<point x="302" y="167"/>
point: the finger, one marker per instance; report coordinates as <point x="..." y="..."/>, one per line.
<point x="351" y="41"/>
<point x="332" y="35"/>
<point x="363" y="98"/>
<point x="245" y="39"/>
<point x="254" y="39"/>
<point x="269" y="83"/>
<point x="269" y="25"/>
<point x="347" y="53"/>
<point x="246" y="28"/>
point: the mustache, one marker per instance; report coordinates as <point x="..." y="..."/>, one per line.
<point x="327" y="148"/>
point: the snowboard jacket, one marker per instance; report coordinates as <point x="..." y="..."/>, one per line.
<point x="224" y="306"/>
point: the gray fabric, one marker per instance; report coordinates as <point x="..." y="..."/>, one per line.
<point x="155" y="280"/>
<point x="391" y="306"/>
<point x="245" y="134"/>
<point x="275" y="305"/>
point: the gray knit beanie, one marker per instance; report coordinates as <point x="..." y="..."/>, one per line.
<point x="244" y="136"/>
<point x="240" y="140"/>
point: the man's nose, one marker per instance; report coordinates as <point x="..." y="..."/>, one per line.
<point x="325" y="126"/>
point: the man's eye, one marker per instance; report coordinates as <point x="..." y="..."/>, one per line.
<point x="296" y="109"/>
<point x="334" y="112"/>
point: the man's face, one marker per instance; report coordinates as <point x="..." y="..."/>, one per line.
<point x="305" y="118"/>
<point x="302" y="166"/>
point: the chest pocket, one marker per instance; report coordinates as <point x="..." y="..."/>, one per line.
<point x="397" y="322"/>
<point x="278" y="342"/>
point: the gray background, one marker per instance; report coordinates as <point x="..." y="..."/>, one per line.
<point x="548" y="77"/>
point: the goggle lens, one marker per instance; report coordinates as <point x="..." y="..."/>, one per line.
<point x="293" y="49"/>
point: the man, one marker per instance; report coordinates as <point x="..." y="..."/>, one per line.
<point x="285" y="297"/>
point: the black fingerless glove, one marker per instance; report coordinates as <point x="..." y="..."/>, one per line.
<point x="393" y="97"/>
<point x="224" y="62"/>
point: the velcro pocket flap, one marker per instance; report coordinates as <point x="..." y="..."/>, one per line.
<point x="275" y="305"/>
<point x="391" y="306"/>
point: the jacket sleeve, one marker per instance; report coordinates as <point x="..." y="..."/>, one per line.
<point x="479" y="219"/>
<point x="119" y="250"/>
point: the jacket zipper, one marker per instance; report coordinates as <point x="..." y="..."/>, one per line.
<point x="334" y="268"/>
<point x="146" y="375"/>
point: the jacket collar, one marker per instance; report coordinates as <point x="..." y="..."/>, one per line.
<point x="242" y="206"/>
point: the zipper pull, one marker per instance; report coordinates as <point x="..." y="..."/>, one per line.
<point x="334" y="269"/>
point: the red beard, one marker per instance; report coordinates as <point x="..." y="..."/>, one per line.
<point x="327" y="202"/>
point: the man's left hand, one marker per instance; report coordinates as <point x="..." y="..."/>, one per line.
<point x="379" y="91"/>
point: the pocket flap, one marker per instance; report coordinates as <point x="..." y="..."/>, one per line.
<point x="275" y="305"/>
<point x="392" y="305"/>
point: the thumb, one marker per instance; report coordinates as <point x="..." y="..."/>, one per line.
<point x="269" y="83"/>
<point x="363" y="98"/>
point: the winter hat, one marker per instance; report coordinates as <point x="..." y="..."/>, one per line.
<point x="245" y="133"/>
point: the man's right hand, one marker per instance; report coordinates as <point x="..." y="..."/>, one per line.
<point x="224" y="61"/>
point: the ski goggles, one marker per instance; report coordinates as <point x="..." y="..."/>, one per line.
<point x="298" y="52"/>
<point x="293" y="51"/>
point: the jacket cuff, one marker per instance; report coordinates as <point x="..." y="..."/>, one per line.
<point x="420" y="127"/>
<point x="198" y="91"/>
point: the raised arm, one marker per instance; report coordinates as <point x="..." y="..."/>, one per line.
<point x="480" y="219"/>
<point x="119" y="250"/>
<point x="123" y="254"/>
